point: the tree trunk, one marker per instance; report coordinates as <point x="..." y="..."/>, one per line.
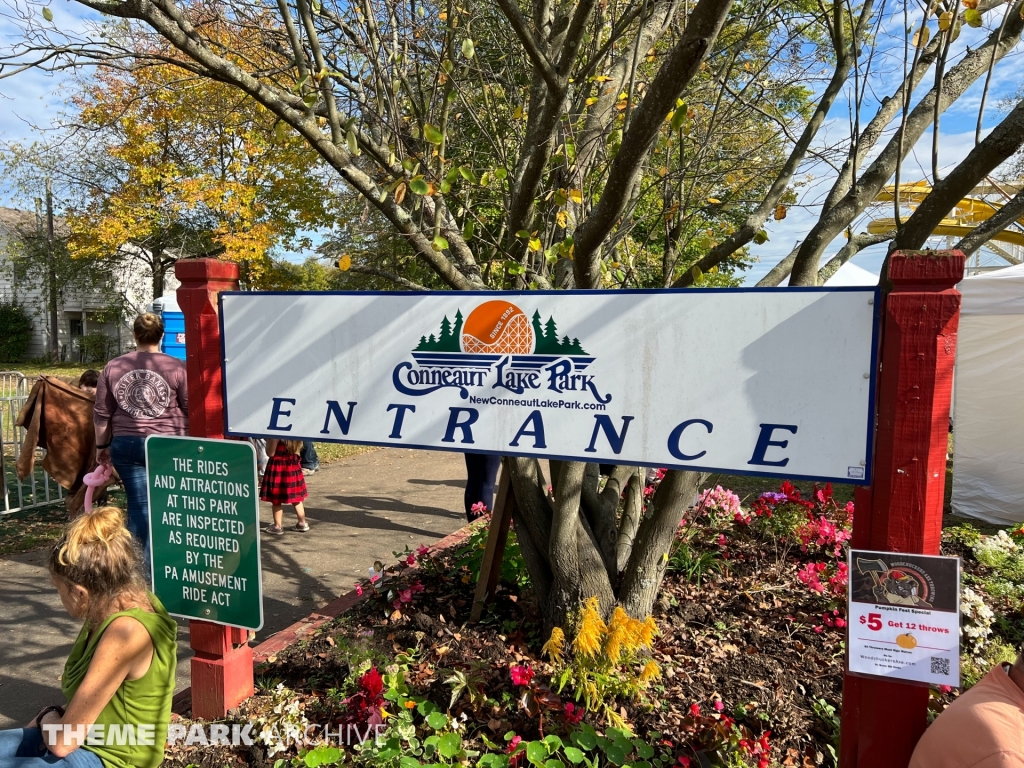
<point x="586" y="543"/>
<point x="159" y="270"/>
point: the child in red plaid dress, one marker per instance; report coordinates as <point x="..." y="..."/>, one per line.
<point x="283" y="483"/>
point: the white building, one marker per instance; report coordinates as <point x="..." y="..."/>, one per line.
<point x="80" y="313"/>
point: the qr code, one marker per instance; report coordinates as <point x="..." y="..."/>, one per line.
<point x="940" y="666"/>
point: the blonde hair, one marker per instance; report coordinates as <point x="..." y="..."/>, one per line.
<point x="148" y="328"/>
<point x="98" y="553"/>
<point x="292" y="446"/>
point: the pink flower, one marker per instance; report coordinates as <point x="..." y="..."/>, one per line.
<point x="513" y="744"/>
<point x="683" y="761"/>
<point x="722" y="541"/>
<point x="840" y="623"/>
<point x="417" y="588"/>
<point x="359" y="589"/>
<point x="410" y="560"/>
<point x="945" y="688"/>
<point x="719" y="705"/>
<point x="573" y="714"/>
<point x="374" y="578"/>
<point x="422" y="551"/>
<point x="819" y="629"/>
<point x="521" y="675"/>
<point x="479" y="508"/>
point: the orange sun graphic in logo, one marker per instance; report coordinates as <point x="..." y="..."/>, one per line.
<point x="497" y="328"/>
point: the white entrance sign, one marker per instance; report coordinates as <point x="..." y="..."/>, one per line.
<point x="904" y="617"/>
<point x="752" y="381"/>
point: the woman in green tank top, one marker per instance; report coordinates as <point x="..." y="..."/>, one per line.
<point x="119" y="678"/>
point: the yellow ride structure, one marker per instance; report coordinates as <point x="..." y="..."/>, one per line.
<point x="965" y="216"/>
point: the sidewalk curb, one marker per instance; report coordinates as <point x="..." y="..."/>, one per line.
<point x="182" y="701"/>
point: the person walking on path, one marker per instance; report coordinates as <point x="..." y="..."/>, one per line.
<point x="482" y="472"/>
<point x="283" y="483"/>
<point x="142" y="393"/>
<point x="119" y="678"/>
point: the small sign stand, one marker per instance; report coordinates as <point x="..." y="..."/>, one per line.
<point x="497" y="535"/>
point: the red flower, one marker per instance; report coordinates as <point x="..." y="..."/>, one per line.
<point x="417" y="587"/>
<point x="521" y="675"/>
<point x="683" y="761"/>
<point x="573" y="714"/>
<point x="422" y="550"/>
<point x="695" y="710"/>
<point x="410" y="560"/>
<point x="359" y="589"/>
<point x="372" y="683"/>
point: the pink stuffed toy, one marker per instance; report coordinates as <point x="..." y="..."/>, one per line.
<point x="95" y="479"/>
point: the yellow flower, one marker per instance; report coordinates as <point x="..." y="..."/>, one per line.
<point x="650" y="672"/>
<point x="555" y="646"/>
<point x="648" y="630"/>
<point x="618" y="635"/>
<point x="590" y="631"/>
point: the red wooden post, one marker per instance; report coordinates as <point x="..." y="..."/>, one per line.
<point x="902" y="511"/>
<point x="222" y="665"/>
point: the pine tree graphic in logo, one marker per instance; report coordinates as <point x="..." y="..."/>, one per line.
<point x="499" y="327"/>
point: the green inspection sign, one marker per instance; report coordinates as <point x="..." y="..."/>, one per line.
<point x="204" y="529"/>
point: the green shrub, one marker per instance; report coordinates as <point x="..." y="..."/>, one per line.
<point x="15" y="331"/>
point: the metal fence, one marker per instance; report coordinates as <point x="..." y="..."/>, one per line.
<point x="38" y="489"/>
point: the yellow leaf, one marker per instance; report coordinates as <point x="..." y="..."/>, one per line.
<point x="576" y="196"/>
<point x="591" y="101"/>
<point x="945" y="20"/>
<point x="600" y="78"/>
<point x="921" y="37"/>
<point x="780" y="212"/>
<point x="714" y="200"/>
<point x="344" y="263"/>
<point x="534" y="244"/>
<point x="517" y="113"/>
<point x="562" y="218"/>
<point x="442" y="16"/>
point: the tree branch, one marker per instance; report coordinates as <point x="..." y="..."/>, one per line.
<point x="682" y="64"/>
<point x="409" y="285"/>
<point x="1005" y="139"/>
<point x="1000" y="220"/>
<point x="537" y="57"/>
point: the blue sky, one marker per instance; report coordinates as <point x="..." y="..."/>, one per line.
<point x="33" y="99"/>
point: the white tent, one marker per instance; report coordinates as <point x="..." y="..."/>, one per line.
<point x="851" y="274"/>
<point x="988" y="461"/>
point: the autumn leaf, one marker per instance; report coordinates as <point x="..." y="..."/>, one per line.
<point x="344" y="263"/>
<point x="945" y="20"/>
<point x="780" y="212"/>
<point x="973" y="17"/>
<point x="576" y="196"/>
<point x="47" y="14"/>
<point x="714" y="201"/>
<point x="400" y="193"/>
<point x="534" y="244"/>
<point x="761" y="237"/>
<point x="921" y="37"/>
<point x="432" y="134"/>
<point x="562" y="218"/>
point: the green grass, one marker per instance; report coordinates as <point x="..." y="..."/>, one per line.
<point x="332" y="452"/>
<point x="36" y="368"/>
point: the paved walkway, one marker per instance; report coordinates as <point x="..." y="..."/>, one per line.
<point x="361" y="509"/>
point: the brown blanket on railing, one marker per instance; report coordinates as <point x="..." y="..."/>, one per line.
<point x="59" y="418"/>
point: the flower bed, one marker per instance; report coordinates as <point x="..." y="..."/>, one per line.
<point x="740" y="665"/>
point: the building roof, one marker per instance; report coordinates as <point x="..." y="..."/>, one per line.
<point x="24" y="222"/>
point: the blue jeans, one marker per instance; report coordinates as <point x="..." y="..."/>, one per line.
<point x="128" y="455"/>
<point x="24" y="748"/>
<point x="482" y="470"/>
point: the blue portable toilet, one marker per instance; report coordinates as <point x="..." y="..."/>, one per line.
<point x="174" y="326"/>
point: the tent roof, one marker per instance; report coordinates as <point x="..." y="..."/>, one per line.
<point x="851" y="274"/>
<point x="1000" y="292"/>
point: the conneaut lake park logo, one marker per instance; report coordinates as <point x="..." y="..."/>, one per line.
<point x="497" y="347"/>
